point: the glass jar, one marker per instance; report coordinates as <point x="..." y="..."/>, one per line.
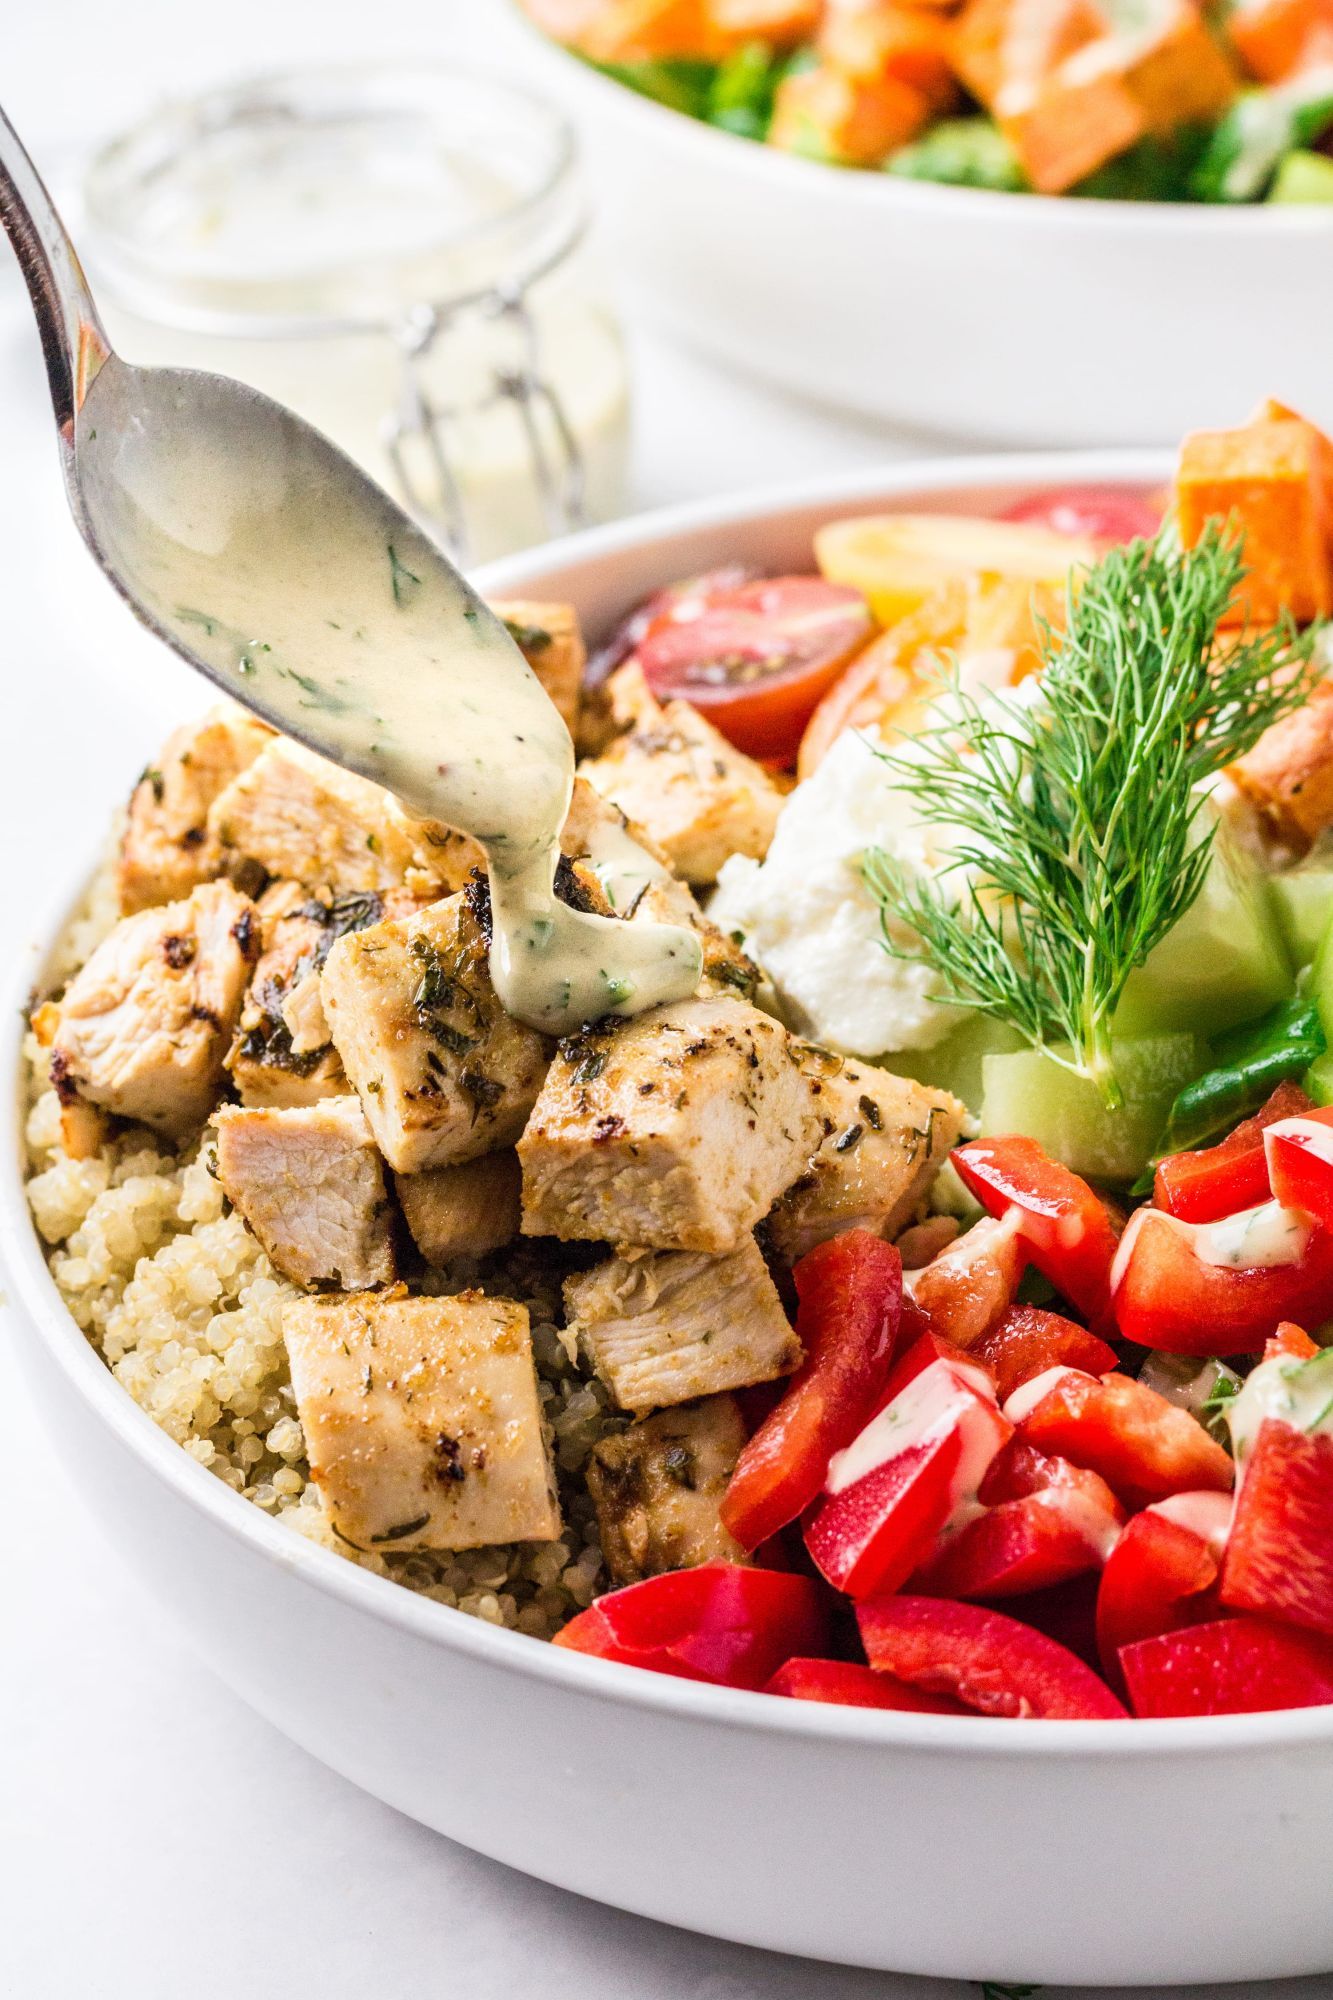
<point x="395" y="254"/>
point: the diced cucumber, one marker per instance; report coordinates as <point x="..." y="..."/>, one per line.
<point x="1032" y="1094"/>
<point x="1318" y="1080"/>
<point x="1303" y="177"/>
<point x="1302" y="899"/>
<point x="1225" y="962"/>
<point x="955" y="1063"/>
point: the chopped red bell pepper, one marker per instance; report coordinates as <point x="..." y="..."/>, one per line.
<point x="1143" y="1446"/>
<point x="962" y="1292"/>
<point x="721" y="1622"/>
<point x="1279" y="1559"/>
<point x="1233" y="1666"/>
<point x="889" y="1495"/>
<point x="1161" y="1573"/>
<point x="851" y="1686"/>
<point x="1045" y="1521"/>
<point x="850" y="1296"/>
<point x="1290" y="1343"/>
<point x="981" y="1657"/>
<point x="1027" y="1341"/>
<point x="914" y="1360"/>
<point x="1065" y="1226"/>
<point x="1298" y="1153"/>
<point x="1170" y="1297"/>
<point x="1220" y="1180"/>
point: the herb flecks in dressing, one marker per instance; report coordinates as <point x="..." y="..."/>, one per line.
<point x="340" y="623"/>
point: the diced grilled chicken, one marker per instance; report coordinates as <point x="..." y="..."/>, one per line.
<point x="728" y="971"/>
<point x="1288" y="775"/>
<point x="463" y="1211"/>
<point x="310" y="1184"/>
<point x="422" y="1420"/>
<point x="664" y="1327"/>
<point x="442" y="1072"/>
<point x="700" y="799"/>
<point x="657" y="1488"/>
<point x="677" y="1129"/>
<point x="165" y="850"/>
<point x="885" y="1138"/>
<point x="297" y="816"/>
<point x="549" y="638"/>
<point x="283" y="1053"/>
<point x="146" y="1024"/>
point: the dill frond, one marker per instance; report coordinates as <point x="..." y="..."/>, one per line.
<point x="1079" y="814"/>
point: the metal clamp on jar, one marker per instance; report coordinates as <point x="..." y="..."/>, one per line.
<point x="397" y="255"/>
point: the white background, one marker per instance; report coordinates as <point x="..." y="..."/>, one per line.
<point x="156" y="1839"/>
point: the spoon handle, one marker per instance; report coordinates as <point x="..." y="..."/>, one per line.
<point x="73" y="341"/>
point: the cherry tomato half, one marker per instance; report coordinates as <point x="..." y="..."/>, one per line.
<point x="1106" y="513"/>
<point x="757" y="659"/>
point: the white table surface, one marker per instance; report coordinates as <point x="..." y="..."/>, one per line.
<point x="157" y="1840"/>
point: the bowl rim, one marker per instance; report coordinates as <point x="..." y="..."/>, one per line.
<point x="891" y="192"/>
<point x="85" y="1373"/>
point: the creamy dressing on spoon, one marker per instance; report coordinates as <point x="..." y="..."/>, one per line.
<point x="303" y="588"/>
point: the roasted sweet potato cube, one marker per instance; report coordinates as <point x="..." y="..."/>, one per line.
<point x="630" y="31"/>
<point x="1289" y="773"/>
<point x="780" y="23"/>
<point x="997" y="42"/>
<point x="1274" y="38"/>
<point x="1179" y="73"/>
<point x="885" y="39"/>
<point x="1073" y="121"/>
<point x="849" y="120"/>
<point x="1273" y="478"/>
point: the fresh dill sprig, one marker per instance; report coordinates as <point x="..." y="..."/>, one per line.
<point x="1078" y="814"/>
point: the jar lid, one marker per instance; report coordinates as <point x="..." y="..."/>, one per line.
<point x="328" y="200"/>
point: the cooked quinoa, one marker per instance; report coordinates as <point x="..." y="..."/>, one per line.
<point x="183" y="1306"/>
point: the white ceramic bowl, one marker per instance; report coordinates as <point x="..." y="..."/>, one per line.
<point x="1076" y="1852"/>
<point x="1009" y="319"/>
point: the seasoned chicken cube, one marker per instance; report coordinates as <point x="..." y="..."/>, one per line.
<point x="728" y="971"/>
<point x="549" y="638"/>
<point x="310" y="1184"/>
<point x="442" y="1072"/>
<point x="298" y="816"/>
<point x="663" y="1327"/>
<point x="675" y="1130"/>
<point x="463" y="1211"/>
<point x="146" y="1024"/>
<point x="699" y="799"/>
<point x="165" y="850"/>
<point x="657" y="1488"/>
<point x="422" y="1420"/>
<point x="885" y="1139"/>
<point x="283" y="1053"/>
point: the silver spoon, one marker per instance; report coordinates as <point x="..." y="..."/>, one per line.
<point x="270" y="562"/>
<point x="131" y="436"/>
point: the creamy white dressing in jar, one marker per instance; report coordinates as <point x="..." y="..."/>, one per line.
<point x="396" y="256"/>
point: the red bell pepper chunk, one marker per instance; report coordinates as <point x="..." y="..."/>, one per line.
<point x="1027" y="1341"/>
<point x="1279" y="1559"/>
<point x="1220" y="1180"/>
<point x="888" y="1497"/>
<point x="1299" y="1157"/>
<point x="931" y="1346"/>
<point x="1045" y="1521"/>
<point x="1161" y="1573"/>
<point x="1065" y="1226"/>
<point x="850" y="1298"/>
<point x="721" y="1622"/>
<point x="1143" y="1446"/>
<point x="843" y="1682"/>
<point x="979" y="1656"/>
<point x="1170" y="1297"/>
<point x="1234" y="1666"/>
<point x="963" y="1292"/>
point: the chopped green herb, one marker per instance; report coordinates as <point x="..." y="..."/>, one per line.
<point x="528" y="638"/>
<point x="405" y="582"/>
